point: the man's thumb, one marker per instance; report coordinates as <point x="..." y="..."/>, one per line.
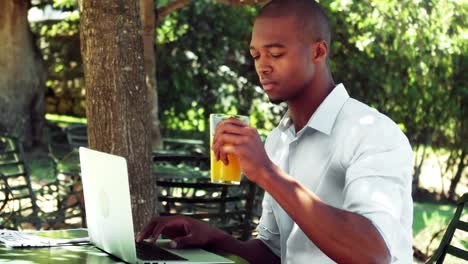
<point x="181" y="242"/>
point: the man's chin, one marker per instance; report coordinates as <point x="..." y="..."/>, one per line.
<point x="275" y="101"/>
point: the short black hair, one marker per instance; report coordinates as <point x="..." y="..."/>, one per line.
<point x="310" y="16"/>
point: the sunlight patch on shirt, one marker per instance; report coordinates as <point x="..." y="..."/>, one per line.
<point x="382" y="199"/>
<point x="367" y="120"/>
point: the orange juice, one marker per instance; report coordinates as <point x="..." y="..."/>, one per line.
<point x="220" y="173"/>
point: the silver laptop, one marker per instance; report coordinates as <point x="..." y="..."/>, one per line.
<point x="109" y="215"/>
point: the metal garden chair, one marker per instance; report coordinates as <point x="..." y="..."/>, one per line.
<point x="185" y="188"/>
<point x="446" y="246"/>
<point x="17" y="200"/>
<point x="64" y="154"/>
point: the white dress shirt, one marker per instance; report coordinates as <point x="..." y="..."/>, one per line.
<point x="353" y="158"/>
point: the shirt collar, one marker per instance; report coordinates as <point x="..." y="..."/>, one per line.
<point x="324" y="117"/>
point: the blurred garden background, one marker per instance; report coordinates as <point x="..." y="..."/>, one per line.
<point x="408" y="59"/>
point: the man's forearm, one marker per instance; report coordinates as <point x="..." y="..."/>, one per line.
<point x="343" y="236"/>
<point x="254" y="251"/>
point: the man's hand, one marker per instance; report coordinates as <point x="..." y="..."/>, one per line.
<point x="233" y="136"/>
<point x="188" y="232"/>
<point x="183" y="231"/>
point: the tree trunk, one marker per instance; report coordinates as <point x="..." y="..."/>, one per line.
<point x="117" y="98"/>
<point x="418" y="165"/>
<point x="458" y="174"/>
<point x="417" y="168"/>
<point x="148" y="26"/>
<point x="22" y="75"/>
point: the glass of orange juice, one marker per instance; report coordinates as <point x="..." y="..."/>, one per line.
<point x="220" y="173"/>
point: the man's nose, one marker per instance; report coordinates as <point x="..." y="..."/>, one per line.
<point x="263" y="67"/>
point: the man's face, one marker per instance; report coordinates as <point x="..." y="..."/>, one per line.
<point x="283" y="61"/>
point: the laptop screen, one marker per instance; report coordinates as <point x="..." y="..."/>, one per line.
<point x="107" y="200"/>
<point x="109" y="213"/>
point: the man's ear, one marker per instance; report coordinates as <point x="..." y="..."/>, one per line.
<point x="319" y="51"/>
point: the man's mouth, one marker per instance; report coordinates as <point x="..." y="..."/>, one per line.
<point x="268" y="85"/>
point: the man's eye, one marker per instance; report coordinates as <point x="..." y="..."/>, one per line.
<point x="255" y="57"/>
<point x="276" y="55"/>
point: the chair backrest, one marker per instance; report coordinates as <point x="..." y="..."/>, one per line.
<point x="66" y="164"/>
<point x="226" y="206"/>
<point x="457" y="223"/>
<point x="194" y="146"/>
<point x="190" y="192"/>
<point x="17" y="198"/>
<point x="57" y="142"/>
<point x="167" y="158"/>
<point x="77" y="135"/>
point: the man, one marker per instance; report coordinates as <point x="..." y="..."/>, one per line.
<point x="337" y="173"/>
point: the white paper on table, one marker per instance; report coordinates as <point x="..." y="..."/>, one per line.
<point x="20" y="239"/>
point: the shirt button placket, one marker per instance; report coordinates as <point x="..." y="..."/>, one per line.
<point x="291" y="156"/>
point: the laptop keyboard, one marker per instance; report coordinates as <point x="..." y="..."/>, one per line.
<point x="147" y="251"/>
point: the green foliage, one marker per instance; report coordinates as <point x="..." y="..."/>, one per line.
<point x="406" y="58"/>
<point x="161" y="3"/>
<point x="60" y="48"/>
<point x="204" y="67"/>
<point x="64" y="3"/>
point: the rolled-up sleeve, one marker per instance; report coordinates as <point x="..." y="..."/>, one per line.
<point x="267" y="228"/>
<point x="378" y="187"/>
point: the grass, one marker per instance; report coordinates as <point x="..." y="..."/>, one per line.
<point x="428" y="220"/>
<point x="40" y="168"/>
<point x="429" y="224"/>
<point x="426" y="214"/>
<point x="65" y="119"/>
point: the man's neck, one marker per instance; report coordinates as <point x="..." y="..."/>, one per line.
<point x="302" y="108"/>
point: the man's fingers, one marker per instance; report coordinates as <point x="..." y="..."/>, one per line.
<point x="224" y="158"/>
<point x="229" y="128"/>
<point x="157" y="231"/>
<point x="228" y="131"/>
<point x="224" y="151"/>
<point x="182" y="242"/>
<point x="145" y="231"/>
<point x="229" y="139"/>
